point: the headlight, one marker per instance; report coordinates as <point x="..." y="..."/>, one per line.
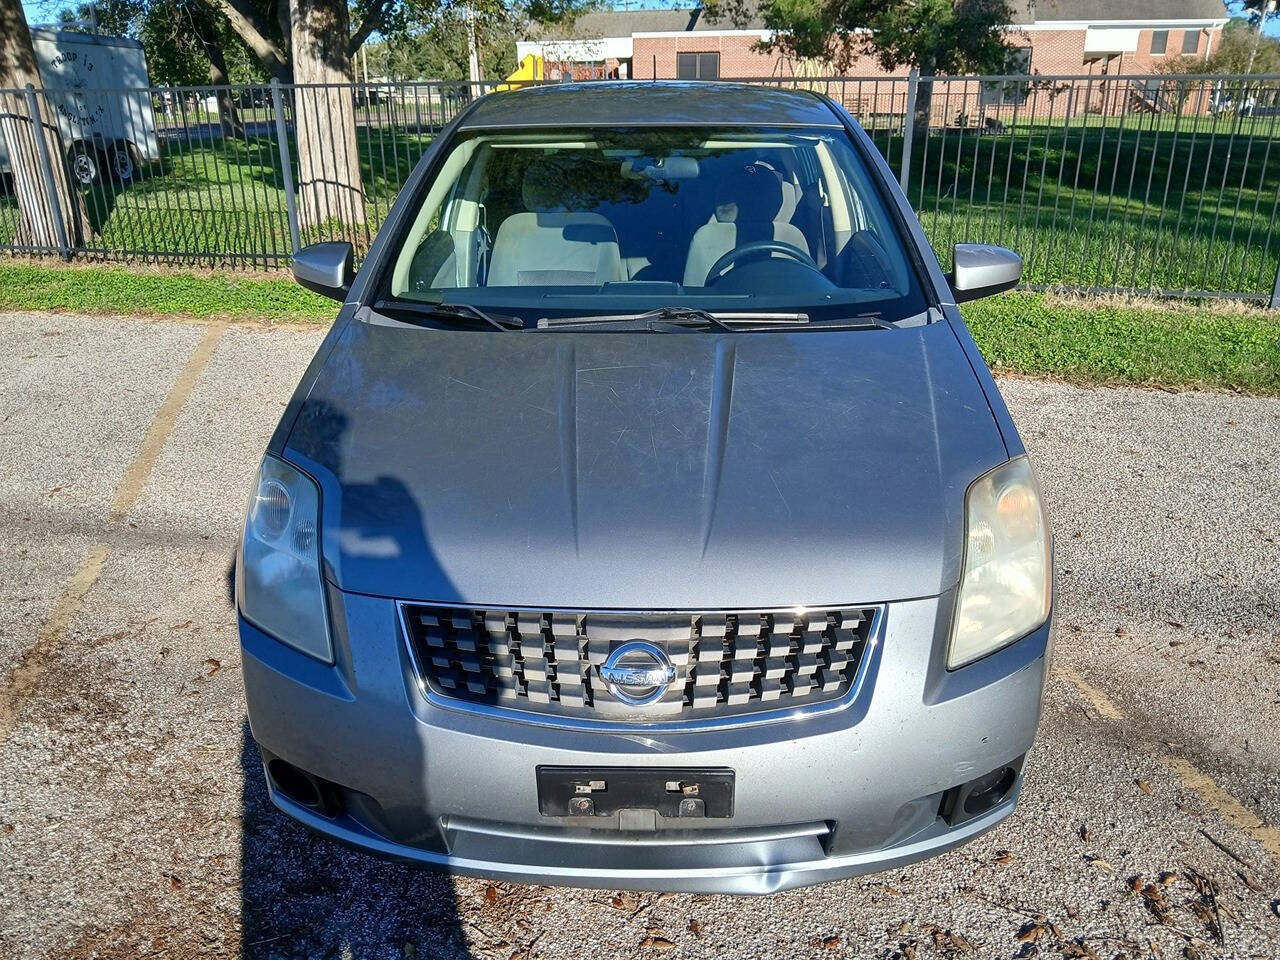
<point x="1004" y="589"/>
<point x="278" y="577"/>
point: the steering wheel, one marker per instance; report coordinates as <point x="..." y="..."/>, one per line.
<point x="761" y="246"/>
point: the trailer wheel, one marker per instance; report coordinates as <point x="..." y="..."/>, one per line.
<point x="121" y="163"/>
<point x="85" y="167"/>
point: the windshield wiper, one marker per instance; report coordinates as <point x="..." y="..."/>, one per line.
<point x="680" y="317"/>
<point x="498" y="321"/>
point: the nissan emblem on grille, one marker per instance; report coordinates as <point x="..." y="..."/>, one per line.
<point x="640" y="668"/>
<point x="637" y="673"/>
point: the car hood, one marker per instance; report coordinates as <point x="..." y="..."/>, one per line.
<point x="645" y="471"/>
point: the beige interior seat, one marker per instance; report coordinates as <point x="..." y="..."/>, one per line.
<point x="748" y="203"/>
<point x="548" y="245"/>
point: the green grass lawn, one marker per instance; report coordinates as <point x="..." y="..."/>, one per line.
<point x="1148" y="205"/>
<point x="1215" y="346"/>
<point x="229" y="296"/>
<point x="222" y="200"/>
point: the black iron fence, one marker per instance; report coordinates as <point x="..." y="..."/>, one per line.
<point x="1159" y="184"/>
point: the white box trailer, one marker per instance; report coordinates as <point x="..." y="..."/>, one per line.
<point x="96" y="89"/>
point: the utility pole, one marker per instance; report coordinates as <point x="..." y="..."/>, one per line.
<point x="1263" y="12"/>
<point x="473" y="52"/>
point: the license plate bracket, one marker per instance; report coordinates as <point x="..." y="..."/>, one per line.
<point x="674" y="792"/>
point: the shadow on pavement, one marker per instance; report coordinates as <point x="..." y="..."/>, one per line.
<point x="303" y="895"/>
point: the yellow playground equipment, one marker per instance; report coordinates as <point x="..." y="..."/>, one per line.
<point x="529" y="70"/>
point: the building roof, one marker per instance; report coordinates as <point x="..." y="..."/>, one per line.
<point x="1128" y="11"/>
<point x="664" y="103"/>
<point x="626" y="23"/>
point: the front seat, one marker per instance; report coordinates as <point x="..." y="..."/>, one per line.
<point x="748" y="201"/>
<point x="549" y="246"/>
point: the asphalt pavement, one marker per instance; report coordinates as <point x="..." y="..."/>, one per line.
<point x="133" y="817"/>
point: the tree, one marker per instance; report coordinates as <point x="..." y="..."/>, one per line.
<point x="50" y="211"/>
<point x="438" y="49"/>
<point x="312" y="43"/>
<point x="1235" y="53"/>
<point x="934" y="36"/>
<point x="1257" y="12"/>
<point x="330" y="187"/>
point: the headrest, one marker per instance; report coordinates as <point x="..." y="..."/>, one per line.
<point x="756" y="190"/>
<point x="543" y="190"/>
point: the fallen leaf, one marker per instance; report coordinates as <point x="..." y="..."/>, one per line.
<point x="491" y="894"/>
<point x="213" y="665"/>
<point x="1135" y="882"/>
<point x="1004" y="858"/>
<point x="1157" y="903"/>
<point x="1078" y="948"/>
<point x="657" y="943"/>
<point x="1249" y="880"/>
<point x="830" y="943"/>
<point x="1099" y="864"/>
<point x="1168" y="878"/>
<point x="1030" y="933"/>
<point x="1143" y="785"/>
<point x="695" y="928"/>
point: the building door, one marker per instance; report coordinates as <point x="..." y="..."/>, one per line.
<point x="698" y="66"/>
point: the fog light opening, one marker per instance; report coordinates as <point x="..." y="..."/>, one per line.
<point x="989" y="791"/>
<point x="972" y="799"/>
<point x="296" y="785"/>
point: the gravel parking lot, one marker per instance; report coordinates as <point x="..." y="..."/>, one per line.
<point x="133" y="817"/>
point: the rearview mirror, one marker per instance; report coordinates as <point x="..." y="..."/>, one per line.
<point x="982" y="269"/>
<point x="326" y="268"/>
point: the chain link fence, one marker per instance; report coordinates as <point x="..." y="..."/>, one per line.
<point x="1161" y="184"/>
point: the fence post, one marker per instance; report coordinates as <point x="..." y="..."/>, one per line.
<point x="286" y="163"/>
<point x="51" y="188"/>
<point x="909" y="128"/>
<point x="1275" y="291"/>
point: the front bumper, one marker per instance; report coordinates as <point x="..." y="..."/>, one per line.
<point x="835" y="794"/>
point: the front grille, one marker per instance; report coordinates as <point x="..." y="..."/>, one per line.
<point x="549" y="661"/>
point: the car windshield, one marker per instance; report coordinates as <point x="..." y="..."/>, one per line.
<point x="582" y="222"/>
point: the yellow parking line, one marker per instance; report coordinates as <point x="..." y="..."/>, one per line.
<point x="32" y="665"/>
<point x="1193" y="778"/>
<point x="135" y="478"/>
<point x="25" y="677"/>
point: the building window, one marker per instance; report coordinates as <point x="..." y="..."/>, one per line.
<point x="698" y="66"/>
<point x="1159" y="42"/>
<point x="1191" y="41"/>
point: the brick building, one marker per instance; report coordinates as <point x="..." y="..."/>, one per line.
<point x="1096" y="37"/>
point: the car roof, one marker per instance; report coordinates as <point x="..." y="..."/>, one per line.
<point x="632" y="103"/>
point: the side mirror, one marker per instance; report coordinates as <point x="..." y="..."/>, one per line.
<point x="326" y="268"/>
<point x="982" y="269"/>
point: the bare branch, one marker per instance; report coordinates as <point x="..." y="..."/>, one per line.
<point x="249" y="27"/>
<point x="372" y="20"/>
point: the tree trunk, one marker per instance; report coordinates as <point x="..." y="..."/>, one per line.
<point x="330" y="189"/>
<point x="228" y="115"/>
<point x="51" y="214"/>
<point x="924" y="105"/>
